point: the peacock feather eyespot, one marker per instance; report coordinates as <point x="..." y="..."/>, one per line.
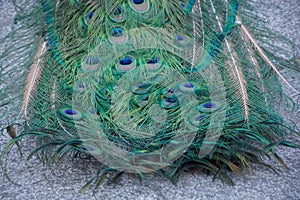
<point x="142" y="100"/>
<point x="187" y="87"/>
<point x="138" y="1"/>
<point x="188" y="6"/>
<point x="90" y="63"/>
<point x="88" y="17"/>
<point x="169" y="102"/>
<point x="171" y="92"/>
<point x="182" y="40"/>
<point x="117" y="32"/>
<point x="140" y="6"/>
<point x="79" y="87"/>
<point x="70" y="114"/>
<point x="142" y="88"/>
<point x="209" y="106"/>
<point x="117" y="36"/>
<point x="182" y="4"/>
<point x="199" y="119"/>
<point x="126" y="64"/>
<point x="153" y="61"/>
<point x="118" y="14"/>
<point x="153" y="64"/>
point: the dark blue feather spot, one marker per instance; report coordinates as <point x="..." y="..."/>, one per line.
<point x="70" y="112"/>
<point x="137" y="1"/>
<point x="171" y="100"/>
<point x="126" y="61"/>
<point x="189" y="85"/>
<point x="118" y="11"/>
<point x="198" y="118"/>
<point x="90" y="15"/>
<point x="80" y="85"/>
<point x="144" y="85"/>
<point x="180" y="38"/>
<point x="153" y="61"/>
<point x="209" y="105"/>
<point x="117" y="32"/>
<point x="144" y="97"/>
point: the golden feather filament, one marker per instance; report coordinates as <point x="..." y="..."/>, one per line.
<point x="34" y="75"/>
<point x="253" y="59"/>
<point x="263" y="55"/>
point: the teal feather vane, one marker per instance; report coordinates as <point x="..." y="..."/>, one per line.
<point x="146" y="85"/>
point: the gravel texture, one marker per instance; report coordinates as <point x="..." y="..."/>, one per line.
<point x="35" y="181"/>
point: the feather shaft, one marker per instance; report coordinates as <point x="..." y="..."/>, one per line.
<point x="35" y="73"/>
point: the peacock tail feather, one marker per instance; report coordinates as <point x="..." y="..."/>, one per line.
<point x="147" y="86"/>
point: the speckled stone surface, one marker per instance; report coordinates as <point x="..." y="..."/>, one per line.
<point x="36" y="181"/>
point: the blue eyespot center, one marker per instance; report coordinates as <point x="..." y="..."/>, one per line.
<point x="171" y="100"/>
<point x="198" y="118"/>
<point x="153" y="61"/>
<point x="118" y="11"/>
<point x="80" y="85"/>
<point x="209" y="105"/>
<point x="90" y="15"/>
<point x="117" y="32"/>
<point x="180" y="37"/>
<point x="126" y="61"/>
<point x="70" y="112"/>
<point x="189" y="85"/>
<point x="91" y="60"/>
<point x="137" y="1"/>
<point x="144" y="85"/>
<point x="144" y="97"/>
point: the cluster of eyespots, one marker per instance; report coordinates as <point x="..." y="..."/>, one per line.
<point x="128" y="63"/>
<point x="90" y="63"/>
